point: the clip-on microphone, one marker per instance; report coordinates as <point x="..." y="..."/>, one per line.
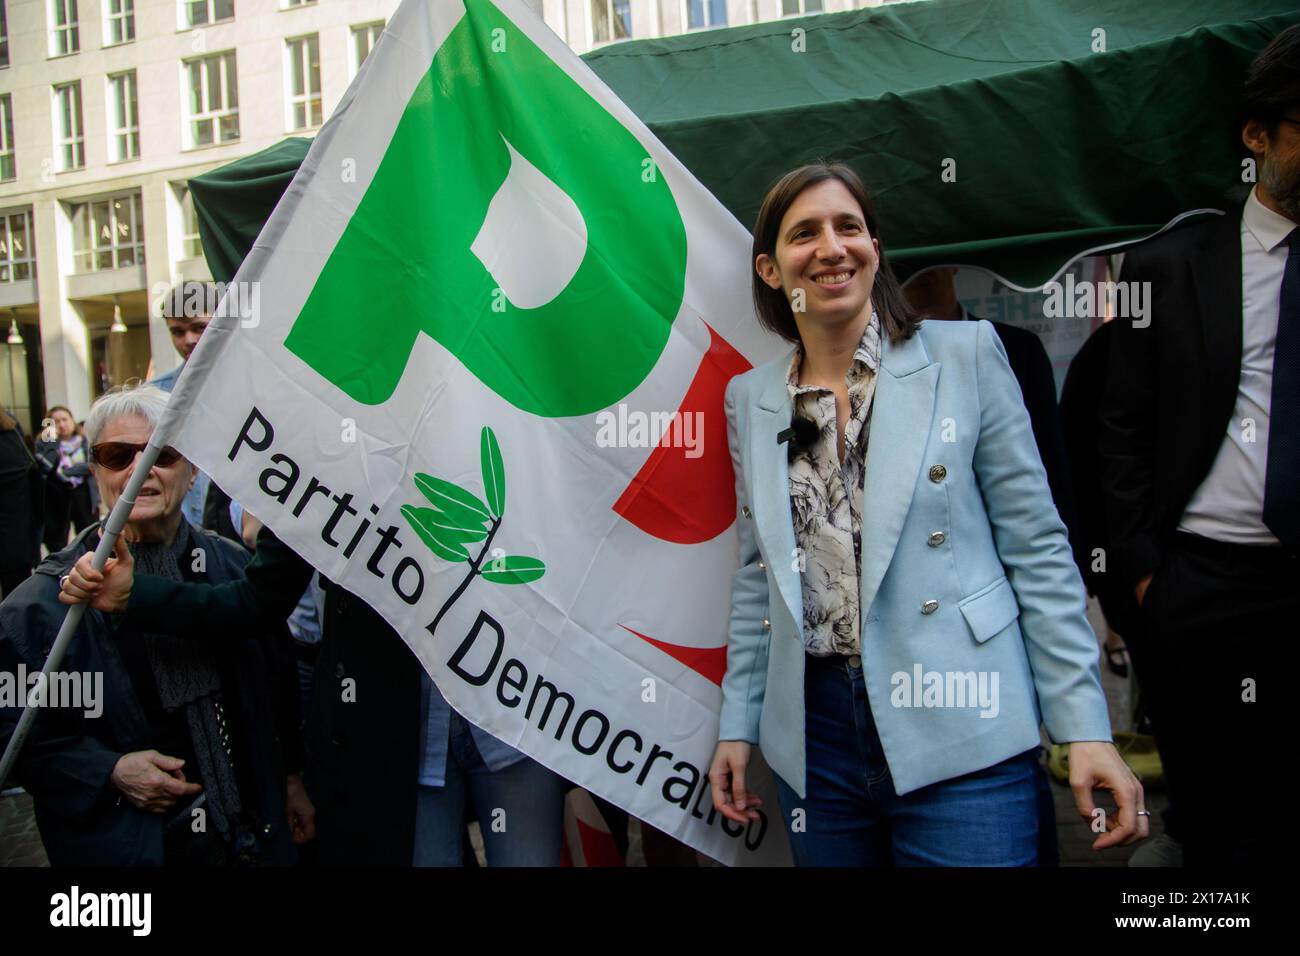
<point x="801" y="435"/>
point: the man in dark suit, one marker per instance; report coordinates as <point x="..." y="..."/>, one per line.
<point x="1200" y="447"/>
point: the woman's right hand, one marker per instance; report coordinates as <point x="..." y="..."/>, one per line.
<point x="107" y="590"/>
<point x="727" y="776"/>
<point x="152" y="781"/>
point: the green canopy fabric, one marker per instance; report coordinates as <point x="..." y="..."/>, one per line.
<point x="234" y="201"/>
<point x="1065" y="125"/>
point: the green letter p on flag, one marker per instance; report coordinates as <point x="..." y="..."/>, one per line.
<point x="497" y="135"/>
<point x="483" y="392"/>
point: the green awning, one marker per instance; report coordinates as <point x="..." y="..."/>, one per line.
<point x="1056" y="149"/>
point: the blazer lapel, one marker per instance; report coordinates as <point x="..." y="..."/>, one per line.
<point x="1216" y="272"/>
<point x="770" y="471"/>
<point x="900" y="430"/>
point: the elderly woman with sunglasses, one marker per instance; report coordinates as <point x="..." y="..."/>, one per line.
<point x="176" y="751"/>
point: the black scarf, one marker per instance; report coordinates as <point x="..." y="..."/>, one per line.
<point x="186" y="674"/>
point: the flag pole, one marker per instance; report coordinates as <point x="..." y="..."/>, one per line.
<point x="112" y="529"/>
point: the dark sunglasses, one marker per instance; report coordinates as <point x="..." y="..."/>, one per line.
<point x="116" y="455"/>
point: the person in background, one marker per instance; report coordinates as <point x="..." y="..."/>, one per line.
<point x="305" y="621"/>
<point x="1200" y="460"/>
<point x="1081" y="397"/>
<point x="187" y="308"/>
<point x="21" y="505"/>
<point x="62" y="455"/>
<point x="95" y="502"/>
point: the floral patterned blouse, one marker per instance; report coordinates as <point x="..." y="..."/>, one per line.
<point x="826" y="500"/>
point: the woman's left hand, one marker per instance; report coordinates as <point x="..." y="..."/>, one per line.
<point x="1095" y="765"/>
<point x="727" y="775"/>
<point x="299" y="809"/>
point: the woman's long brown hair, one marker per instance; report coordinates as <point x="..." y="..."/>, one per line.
<point x="897" y="319"/>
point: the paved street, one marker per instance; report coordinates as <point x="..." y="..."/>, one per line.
<point x="20" y="844"/>
<point x="1073" y="834"/>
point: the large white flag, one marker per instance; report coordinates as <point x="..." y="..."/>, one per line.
<point x="473" y="371"/>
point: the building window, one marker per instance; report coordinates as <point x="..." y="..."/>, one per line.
<point x="364" y="38"/>
<point x="610" y="20"/>
<point x="212" y="107"/>
<point x="302" y="67"/>
<point x="119" y="22"/>
<point x="791" y="8"/>
<point x="200" y="12"/>
<point x="123" y="117"/>
<point x="191" y="245"/>
<point x="17" y="247"/>
<point x="65" y="34"/>
<point x="4" y="35"/>
<point x="705" y="14"/>
<point x="8" y="169"/>
<point x="70" y="145"/>
<point x="108" y="233"/>
<point x="290" y="4"/>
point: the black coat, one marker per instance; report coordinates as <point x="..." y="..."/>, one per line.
<point x="364" y="757"/>
<point x="1171" y="386"/>
<point x="22" y="502"/>
<point x="1081" y="399"/>
<point x="1033" y="371"/>
<point x="67" y="759"/>
<point x="362" y="754"/>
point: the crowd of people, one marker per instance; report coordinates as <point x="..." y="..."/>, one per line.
<point x="1172" y="454"/>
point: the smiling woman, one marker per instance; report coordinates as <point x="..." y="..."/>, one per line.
<point x="933" y="550"/>
<point x="61" y="453"/>
<point x="819" y="233"/>
<point x="117" y="430"/>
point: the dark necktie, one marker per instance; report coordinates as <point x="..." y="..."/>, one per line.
<point x="1282" y="477"/>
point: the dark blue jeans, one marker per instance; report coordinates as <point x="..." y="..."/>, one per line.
<point x="853" y="817"/>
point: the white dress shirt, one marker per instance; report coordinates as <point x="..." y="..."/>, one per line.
<point x="1229" y="503"/>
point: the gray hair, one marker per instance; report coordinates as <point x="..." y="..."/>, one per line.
<point x="143" y="401"/>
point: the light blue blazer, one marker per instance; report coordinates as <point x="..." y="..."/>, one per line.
<point x="994" y="592"/>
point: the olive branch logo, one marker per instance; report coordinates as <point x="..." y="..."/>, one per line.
<point x="459" y="518"/>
